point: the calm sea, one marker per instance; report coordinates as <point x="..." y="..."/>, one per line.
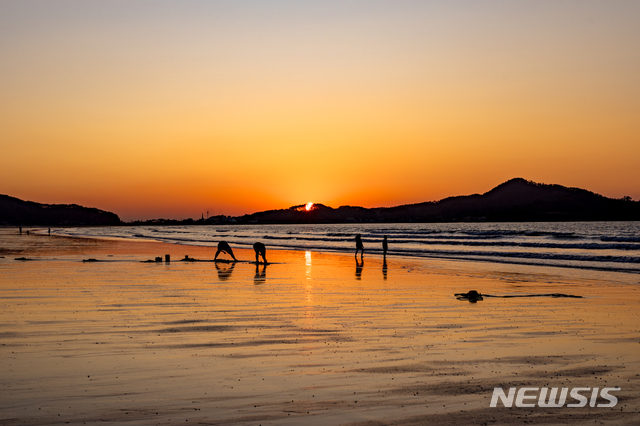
<point x="607" y="246"/>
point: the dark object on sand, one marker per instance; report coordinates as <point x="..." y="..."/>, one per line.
<point x="90" y="260"/>
<point x="188" y="259"/>
<point x="260" y="250"/>
<point x="22" y="258"/>
<point x="473" y="296"/>
<point x="224" y="247"/>
<point x="158" y="260"/>
<point x="167" y="258"/>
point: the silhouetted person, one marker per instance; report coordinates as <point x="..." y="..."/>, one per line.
<point x="20" y="229"/>
<point x="224" y="273"/>
<point x="260" y="250"/>
<point x="359" y="246"/>
<point x="49" y="231"/>
<point x="359" y="266"/>
<point x="385" y="247"/>
<point x="384" y="268"/>
<point x="260" y="276"/>
<point x="224" y="247"/>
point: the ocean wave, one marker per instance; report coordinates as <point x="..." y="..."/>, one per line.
<point x="477" y="253"/>
<point x="621" y="239"/>
<point x="468" y="243"/>
<point x="580" y="245"/>
<point x="536" y="255"/>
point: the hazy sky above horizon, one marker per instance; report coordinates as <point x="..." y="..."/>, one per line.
<point x="175" y="108"/>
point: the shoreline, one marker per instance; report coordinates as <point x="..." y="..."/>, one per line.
<point x="586" y="269"/>
<point x="627" y="277"/>
<point x="300" y="340"/>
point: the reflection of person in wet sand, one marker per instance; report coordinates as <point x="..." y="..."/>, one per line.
<point x="224" y="273"/>
<point x="359" y="246"/>
<point x="224" y="247"/>
<point x="359" y="266"/>
<point x="385" y="246"/>
<point x="260" y="250"/>
<point x="260" y="276"/>
<point x="384" y="268"/>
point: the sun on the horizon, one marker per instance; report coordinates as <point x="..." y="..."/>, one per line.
<point x="308" y="206"/>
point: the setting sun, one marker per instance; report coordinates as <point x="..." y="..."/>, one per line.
<point x="308" y="206"/>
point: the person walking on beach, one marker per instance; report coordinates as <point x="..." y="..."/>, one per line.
<point x="224" y="247"/>
<point x="260" y="250"/>
<point x="359" y="246"/>
<point x="385" y="247"/>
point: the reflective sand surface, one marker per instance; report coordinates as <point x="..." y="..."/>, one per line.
<point x="311" y="339"/>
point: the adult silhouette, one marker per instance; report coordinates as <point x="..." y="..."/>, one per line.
<point x="385" y="246"/>
<point x="224" y="247"/>
<point x="359" y="246"/>
<point x="260" y="250"/>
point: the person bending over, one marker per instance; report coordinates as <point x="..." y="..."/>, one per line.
<point x="224" y="247"/>
<point x="260" y="250"/>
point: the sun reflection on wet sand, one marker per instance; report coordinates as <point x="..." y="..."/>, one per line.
<point x="307" y="263"/>
<point x="309" y="290"/>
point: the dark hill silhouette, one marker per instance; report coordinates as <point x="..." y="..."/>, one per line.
<point x="516" y="200"/>
<point x="14" y="211"/>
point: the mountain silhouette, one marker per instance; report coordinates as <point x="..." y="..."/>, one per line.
<point x="516" y="200"/>
<point x="14" y="211"/>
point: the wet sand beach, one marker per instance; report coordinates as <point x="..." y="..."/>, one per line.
<point x="313" y="338"/>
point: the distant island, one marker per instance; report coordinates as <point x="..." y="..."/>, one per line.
<point x="516" y="200"/>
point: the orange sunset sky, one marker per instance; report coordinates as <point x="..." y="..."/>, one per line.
<point x="174" y="108"/>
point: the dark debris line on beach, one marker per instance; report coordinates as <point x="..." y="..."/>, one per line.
<point x="473" y="296"/>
